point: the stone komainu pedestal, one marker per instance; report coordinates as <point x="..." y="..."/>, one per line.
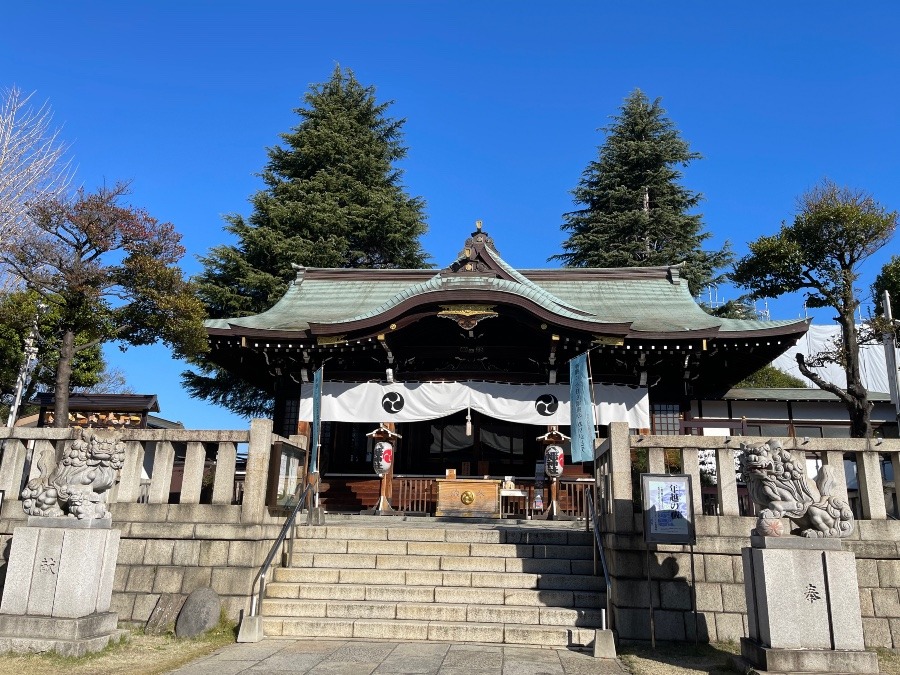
<point x="803" y="607"/>
<point x="59" y="586"/>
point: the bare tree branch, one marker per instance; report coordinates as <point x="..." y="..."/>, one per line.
<point x="821" y="382"/>
<point x="33" y="166"/>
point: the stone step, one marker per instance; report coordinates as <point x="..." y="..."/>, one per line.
<point x="416" y="611"/>
<point x="567" y="534"/>
<point x="514" y="579"/>
<point x="441" y="548"/>
<point x="431" y="631"/>
<point x="444" y="563"/>
<point x="487" y="595"/>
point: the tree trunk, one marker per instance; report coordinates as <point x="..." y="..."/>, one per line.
<point x="63" y="377"/>
<point x="858" y="406"/>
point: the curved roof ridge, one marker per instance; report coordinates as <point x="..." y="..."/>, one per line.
<point x="525" y="281"/>
<point x="437" y="283"/>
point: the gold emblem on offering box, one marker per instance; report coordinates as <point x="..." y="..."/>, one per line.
<point x="467" y="497"/>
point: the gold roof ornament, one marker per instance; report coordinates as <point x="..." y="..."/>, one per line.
<point x="467" y="316"/>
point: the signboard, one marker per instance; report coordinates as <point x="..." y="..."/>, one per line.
<point x="668" y="509"/>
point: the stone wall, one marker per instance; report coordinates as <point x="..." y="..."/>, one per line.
<point x="719" y="582"/>
<point x="172" y="548"/>
<point x="719" y="579"/>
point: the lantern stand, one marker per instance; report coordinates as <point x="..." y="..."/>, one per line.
<point x="554" y="460"/>
<point x="383" y="463"/>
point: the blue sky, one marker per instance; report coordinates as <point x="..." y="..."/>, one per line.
<point x="503" y="102"/>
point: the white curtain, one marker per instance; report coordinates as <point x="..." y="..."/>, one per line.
<point x="538" y="404"/>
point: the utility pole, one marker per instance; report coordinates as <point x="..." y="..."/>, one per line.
<point x="31" y="352"/>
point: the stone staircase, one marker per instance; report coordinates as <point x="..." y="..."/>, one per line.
<point x="424" y="579"/>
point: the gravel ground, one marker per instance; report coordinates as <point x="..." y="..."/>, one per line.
<point x="715" y="658"/>
<point x="669" y="659"/>
<point x="139" y="654"/>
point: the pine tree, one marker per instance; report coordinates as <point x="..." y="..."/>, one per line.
<point x="635" y="212"/>
<point x="333" y="198"/>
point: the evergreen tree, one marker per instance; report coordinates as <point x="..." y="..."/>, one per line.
<point x="635" y="212"/>
<point x="333" y="198"/>
<point x="770" y="377"/>
<point x="888" y="280"/>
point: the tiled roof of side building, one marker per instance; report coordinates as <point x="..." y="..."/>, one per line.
<point x="792" y="394"/>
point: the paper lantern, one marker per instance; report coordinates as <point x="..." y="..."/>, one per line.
<point x="382" y="457"/>
<point x="554" y="460"/>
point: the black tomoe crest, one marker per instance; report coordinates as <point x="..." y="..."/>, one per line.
<point x="546" y="405"/>
<point x="392" y="402"/>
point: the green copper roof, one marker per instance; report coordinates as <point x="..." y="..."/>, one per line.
<point x="651" y="300"/>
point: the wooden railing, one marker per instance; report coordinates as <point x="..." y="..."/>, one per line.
<point x="415" y="494"/>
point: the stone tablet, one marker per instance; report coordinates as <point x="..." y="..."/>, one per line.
<point x="199" y="614"/>
<point x="164" y="614"/>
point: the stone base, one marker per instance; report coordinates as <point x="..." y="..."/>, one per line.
<point x="758" y="659"/>
<point x="62" y="571"/>
<point x="604" y="644"/>
<point x="69" y="637"/>
<point x="251" y="629"/>
<point x="802" y="594"/>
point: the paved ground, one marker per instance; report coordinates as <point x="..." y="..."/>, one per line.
<point x="345" y="657"/>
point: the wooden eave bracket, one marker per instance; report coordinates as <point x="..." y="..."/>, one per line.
<point x="382" y="432"/>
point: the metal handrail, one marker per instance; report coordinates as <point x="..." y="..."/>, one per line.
<point x="256" y="599"/>
<point x="598" y="541"/>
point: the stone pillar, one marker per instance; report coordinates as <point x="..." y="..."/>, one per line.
<point x="620" y="480"/>
<point x="803" y="607"/>
<point x="871" y="489"/>
<point x="192" y="481"/>
<point x="223" y="487"/>
<point x="253" y="507"/>
<point x="161" y="480"/>
<point x="59" y="586"/>
<point x="727" y="482"/>
<point x="690" y="464"/>
<point x="12" y="467"/>
<point x="129" y="486"/>
<point x="656" y="460"/>
<point x="835" y="459"/>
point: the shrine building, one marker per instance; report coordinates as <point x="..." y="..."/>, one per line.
<point x="470" y="363"/>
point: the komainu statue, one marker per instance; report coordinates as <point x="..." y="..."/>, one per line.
<point x="75" y="487"/>
<point x="778" y="484"/>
